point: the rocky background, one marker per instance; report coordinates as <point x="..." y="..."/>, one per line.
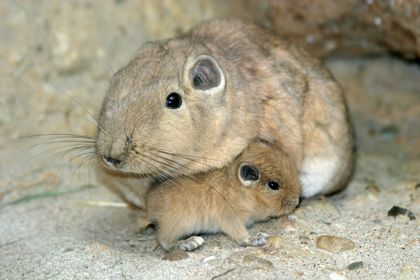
<point x="56" y="221"/>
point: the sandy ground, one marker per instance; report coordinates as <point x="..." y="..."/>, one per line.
<point x="51" y="222"/>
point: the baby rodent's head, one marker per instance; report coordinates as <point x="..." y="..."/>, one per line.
<point x="272" y="177"/>
<point x="170" y="111"/>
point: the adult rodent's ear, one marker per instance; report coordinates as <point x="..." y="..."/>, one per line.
<point x="204" y="74"/>
<point x="248" y="174"/>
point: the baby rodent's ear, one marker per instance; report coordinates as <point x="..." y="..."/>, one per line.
<point x="205" y="74"/>
<point x="248" y="174"/>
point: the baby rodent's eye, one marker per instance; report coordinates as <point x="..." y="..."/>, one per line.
<point x="273" y="185"/>
<point x="173" y="101"/>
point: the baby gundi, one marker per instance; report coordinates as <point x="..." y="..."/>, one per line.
<point x="191" y="104"/>
<point x="261" y="183"/>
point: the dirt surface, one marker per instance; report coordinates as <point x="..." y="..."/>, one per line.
<point x="57" y="222"/>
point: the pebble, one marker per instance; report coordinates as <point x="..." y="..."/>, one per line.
<point x="388" y="132"/>
<point x="373" y="189"/>
<point x="409" y="271"/>
<point x="414" y="242"/>
<point x="175" y="255"/>
<point x="98" y="247"/>
<point x="397" y="210"/>
<point x="208" y="259"/>
<point x="337" y="276"/>
<point x="304" y="240"/>
<point x="274" y="241"/>
<point x="259" y="263"/>
<point x="334" y="244"/>
<point x="355" y="265"/>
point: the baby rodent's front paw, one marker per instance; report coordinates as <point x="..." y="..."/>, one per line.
<point x="190" y="244"/>
<point x="260" y="239"/>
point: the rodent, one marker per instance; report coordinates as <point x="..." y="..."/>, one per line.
<point x="191" y="104"/>
<point x="261" y="183"/>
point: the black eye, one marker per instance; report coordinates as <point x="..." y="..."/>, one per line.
<point x="249" y="173"/>
<point x="173" y="101"/>
<point x="273" y="185"/>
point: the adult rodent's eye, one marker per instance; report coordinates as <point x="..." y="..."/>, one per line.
<point x="173" y="101"/>
<point x="273" y="185"/>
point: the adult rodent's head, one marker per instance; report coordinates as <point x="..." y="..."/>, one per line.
<point x="271" y="176"/>
<point x="181" y="106"/>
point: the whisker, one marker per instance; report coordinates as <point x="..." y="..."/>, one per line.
<point x="59" y="154"/>
<point x="96" y="123"/>
<point x="191" y="157"/>
<point x="173" y="180"/>
<point x="59" y="135"/>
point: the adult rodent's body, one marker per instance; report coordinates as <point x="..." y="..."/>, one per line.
<point x="261" y="183"/>
<point x="191" y="104"/>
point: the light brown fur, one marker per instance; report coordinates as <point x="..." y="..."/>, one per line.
<point x="217" y="201"/>
<point x="271" y="90"/>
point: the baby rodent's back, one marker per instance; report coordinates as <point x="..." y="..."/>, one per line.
<point x="189" y="197"/>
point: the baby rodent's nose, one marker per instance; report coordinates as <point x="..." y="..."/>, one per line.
<point x="111" y="161"/>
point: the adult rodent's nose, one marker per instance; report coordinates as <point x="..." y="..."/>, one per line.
<point x="111" y="161"/>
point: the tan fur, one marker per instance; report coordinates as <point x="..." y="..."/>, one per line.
<point x="216" y="201"/>
<point x="273" y="91"/>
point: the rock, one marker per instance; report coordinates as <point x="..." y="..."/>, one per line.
<point x="355" y="265"/>
<point x="414" y="242"/>
<point x="337" y="276"/>
<point x="347" y="27"/>
<point x="175" y="255"/>
<point x="304" y="240"/>
<point x="373" y="189"/>
<point x="208" y="259"/>
<point x="409" y="271"/>
<point x="274" y="241"/>
<point x="397" y="210"/>
<point x="257" y="262"/>
<point x="334" y="244"/>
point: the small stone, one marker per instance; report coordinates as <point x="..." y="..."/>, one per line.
<point x="408" y="271"/>
<point x="257" y="262"/>
<point x="274" y="241"/>
<point x="334" y="244"/>
<point x="355" y="265"/>
<point x="337" y="276"/>
<point x="397" y="210"/>
<point x="388" y="132"/>
<point x="68" y="250"/>
<point x="413" y="242"/>
<point x="411" y="215"/>
<point x="304" y="239"/>
<point x="99" y="247"/>
<point x="373" y="189"/>
<point x="208" y="259"/>
<point x="175" y="255"/>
